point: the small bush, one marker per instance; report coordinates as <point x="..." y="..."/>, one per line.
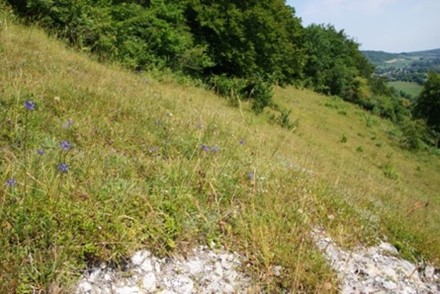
<point x="343" y="139"/>
<point x="261" y="92"/>
<point x="342" y="112"/>
<point x="360" y="149"/>
<point x="413" y="134"/>
<point x="236" y="88"/>
<point x="284" y="121"/>
<point x="369" y="121"/>
<point x="389" y="171"/>
<point x="231" y="88"/>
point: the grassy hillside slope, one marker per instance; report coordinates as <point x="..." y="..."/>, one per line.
<point x="157" y="164"/>
<point x="359" y="155"/>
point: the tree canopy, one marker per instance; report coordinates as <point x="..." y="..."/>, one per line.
<point x="238" y="47"/>
<point x="428" y="103"/>
<point x="333" y="62"/>
<point x="248" y="38"/>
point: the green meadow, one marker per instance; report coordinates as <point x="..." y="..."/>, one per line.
<point x="410" y="88"/>
<point x="97" y="162"/>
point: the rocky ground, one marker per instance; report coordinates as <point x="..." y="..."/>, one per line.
<point x="376" y="269"/>
<point x="364" y="270"/>
<point x="204" y="271"/>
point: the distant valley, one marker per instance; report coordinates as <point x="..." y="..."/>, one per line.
<point x="406" y="71"/>
<point x="405" y="67"/>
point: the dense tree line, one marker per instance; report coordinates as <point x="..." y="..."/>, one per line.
<point x="253" y="41"/>
<point x="334" y="64"/>
<point x="427" y="106"/>
<point x="256" y="42"/>
<point x="238" y="47"/>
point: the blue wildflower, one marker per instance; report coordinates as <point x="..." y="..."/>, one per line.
<point x="250" y="175"/>
<point x="242" y="141"/>
<point x="41" y="151"/>
<point x="215" y="149"/>
<point x="63" y="167"/>
<point x="204" y="147"/>
<point x="29" y="105"/>
<point x="11" y="182"/>
<point x="65" y="145"/>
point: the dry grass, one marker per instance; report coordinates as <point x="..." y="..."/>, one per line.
<point x="369" y="169"/>
<point x="138" y="177"/>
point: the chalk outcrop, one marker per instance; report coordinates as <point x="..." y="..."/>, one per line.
<point x="204" y="271"/>
<point x="376" y="269"/>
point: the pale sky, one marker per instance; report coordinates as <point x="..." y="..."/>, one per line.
<point x="387" y="25"/>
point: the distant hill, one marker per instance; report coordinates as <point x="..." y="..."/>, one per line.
<point x="405" y="66"/>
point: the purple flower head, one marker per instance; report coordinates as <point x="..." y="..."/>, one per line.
<point x="215" y="149"/>
<point x="11" y="182"/>
<point x="153" y="149"/>
<point x="250" y="175"/>
<point x="63" y="167"/>
<point x="68" y="123"/>
<point x="29" y="105"/>
<point x="65" y="145"/>
<point x="242" y="141"/>
<point x="204" y="147"/>
<point x="41" y="151"/>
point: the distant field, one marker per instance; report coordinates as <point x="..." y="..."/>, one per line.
<point x="409" y="66"/>
<point x="399" y="62"/>
<point x="413" y="89"/>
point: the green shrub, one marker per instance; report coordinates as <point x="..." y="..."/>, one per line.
<point x="343" y="139"/>
<point x="284" y="121"/>
<point x="413" y="134"/>
<point x="237" y="88"/>
<point x="261" y="92"/>
<point x="227" y="86"/>
<point x="389" y="171"/>
<point x="231" y="88"/>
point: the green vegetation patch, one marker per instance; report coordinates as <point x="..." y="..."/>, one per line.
<point x="410" y="88"/>
<point x="98" y="162"/>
